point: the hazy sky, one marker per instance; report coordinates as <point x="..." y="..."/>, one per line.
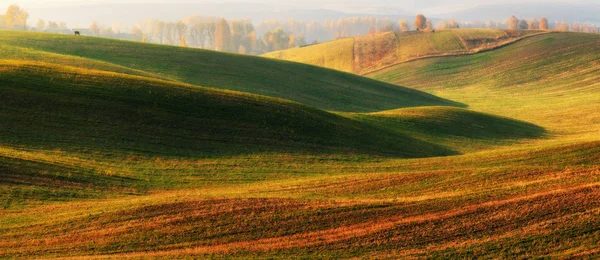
<point x="79" y="13"/>
<point x="429" y="6"/>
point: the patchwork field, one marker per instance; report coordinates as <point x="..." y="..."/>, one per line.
<point x="114" y="149"/>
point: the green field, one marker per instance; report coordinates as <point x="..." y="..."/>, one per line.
<point x="337" y="55"/>
<point x="317" y="87"/>
<point x="114" y="149"/>
<point x="365" y="54"/>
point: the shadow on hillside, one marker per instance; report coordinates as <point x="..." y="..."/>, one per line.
<point x="448" y="125"/>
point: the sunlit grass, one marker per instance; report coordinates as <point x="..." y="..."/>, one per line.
<point x="83" y="176"/>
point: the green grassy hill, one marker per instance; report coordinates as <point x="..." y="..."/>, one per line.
<point x="49" y="107"/>
<point x="100" y="158"/>
<point x="460" y="129"/>
<point x="365" y="54"/>
<point x="335" y="55"/>
<point x="549" y="80"/>
<point x="314" y="86"/>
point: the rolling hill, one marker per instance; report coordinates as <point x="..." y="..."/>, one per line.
<point x="49" y="107"/>
<point x="365" y="54"/>
<point x="549" y="80"/>
<point x="461" y="129"/>
<point x="318" y="87"/>
<point x="108" y="158"/>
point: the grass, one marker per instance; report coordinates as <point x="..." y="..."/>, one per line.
<point x="412" y="46"/>
<point x="79" y="179"/>
<point x="460" y="129"/>
<point x="366" y="54"/>
<point x="336" y="55"/>
<point x="49" y="107"/>
<point x="469" y="34"/>
<point x="317" y="87"/>
<point x="548" y="80"/>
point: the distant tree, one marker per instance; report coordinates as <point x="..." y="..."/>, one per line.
<point x="533" y="24"/>
<point x="23" y="16"/>
<point x="372" y="31"/>
<point x="15" y="17"/>
<point x="40" y="26"/>
<point x="250" y="42"/>
<point x="181" y="30"/>
<point x="513" y="23"/>
<point x="222" y="36"/>
<point x="146" y="27"/>
<point x="211" y="28"/>
<point x="137" y="33"/>
<point x="563" y="26"/>
<point x="292" y="41"/>
<point x="107" y="32"/>
<point x="300" y="41"/>
<point x="117" y="27"/>
<point x="453" y="24"/>
<point x="543" y="23"/>
<point x="429" y="25"/>
<point x="94" y="29"/>
<point x="421" y="22"/>
<point x="441" y="25"/>
<point x="198" y="34"/>
<point x="170" y="32"/>
<point x="404" y="26"/>
<point x="62" y="26"/>
<point x="523" y="25"/>
<point x="238" y="31"/>
<point x="52" y="26"/>
<point x="159" y="31"/>
<point x="11" y="17"/>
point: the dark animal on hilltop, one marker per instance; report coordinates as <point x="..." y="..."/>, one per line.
<point x="432" y="30"/>
<point x="77" y="33"/>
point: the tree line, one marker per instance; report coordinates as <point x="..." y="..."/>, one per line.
<point x="243" y="36"/>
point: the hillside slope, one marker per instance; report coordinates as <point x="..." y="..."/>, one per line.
<point x="550" y="80"/>
<point x="102" y="161"/>
<point x="365" y="54"/>
<point x="314" y="86"/>
<point x="59" y="107"/>
<point x="460" y="129"/>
